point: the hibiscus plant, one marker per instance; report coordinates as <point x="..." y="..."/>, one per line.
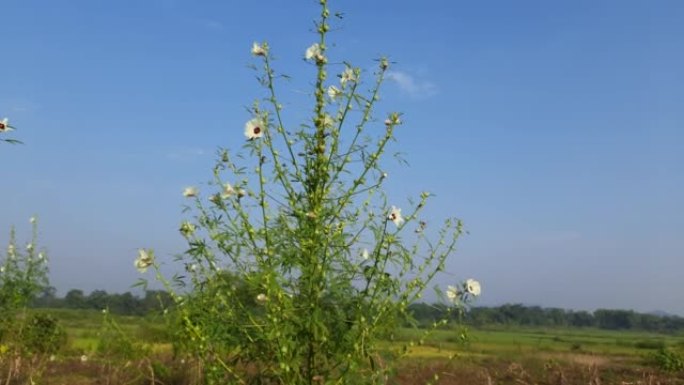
<point x="297" y="267"/>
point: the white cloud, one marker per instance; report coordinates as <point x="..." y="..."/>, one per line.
<point x="20" y="109"/>
<point x="213" y="25"/>
<point x="413" y="87"/>
<point x="551" y="238"/>
<point x="18" y="105"/>
<point x="185" y="153"/>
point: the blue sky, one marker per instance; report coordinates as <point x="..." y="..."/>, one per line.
<point x="553" y="129"/>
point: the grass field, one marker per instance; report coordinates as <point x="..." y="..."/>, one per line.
<point x="487" y="356"/>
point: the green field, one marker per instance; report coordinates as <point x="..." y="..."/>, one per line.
<point x="487" y="356"/>
<point x="515" y="341"/>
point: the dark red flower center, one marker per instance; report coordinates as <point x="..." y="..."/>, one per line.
<point x="257" y="130"/>
<point x="2" y="126"/>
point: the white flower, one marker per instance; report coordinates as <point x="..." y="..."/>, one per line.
<point x="452" y="293"/>
<point x="84" y="358"/>
<point x="190" y="192"/>
<point x="4" y="126"/>
<point x="41" y="256"/>
<point x="241" y="193"/>
<point x="10" y="250"/>
<point x="364" y="254"/>
<point x="384" y="175"/>
<point x="334" y="92"/>
<point x="312" y="51"/>
<point x="473" y="287"/>
<point x="259" y="49"/>
<point x="254" y="129"/>
<point x="349" y="75"/>
<point x="145" y="260"/>
<point x="29" y="246"/>
<point x="315" y="52"/>
<point x="228" y="191"/>
<point x="32" y="220"/>
<point x="395" y="216"/>
<point x="328" y="121"/>
<point x="393" y="120"/>
<point x="261" y="298"/>
<point x="2" y="269"/>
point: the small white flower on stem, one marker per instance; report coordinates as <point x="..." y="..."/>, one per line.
<point x="241" y="193"/>
<point x="29" y="246"/>
<point x="261" y="298"/>
<point x="84" y="358"/>
<point x="259" y="49"/>
<point x="10" y="250"/>
<point x="2" y="269"/>
<point x="228" y="191"/>
<point x="334" y="92"/>
<point x="145" y="260"/>
<point x="190" y="192"/>
<point x="395" y="216"/>
<point x="349" y="75"/>
<point x="473" y="287"/>
<point x="452" y="293"/>
<point x="328" y="121"/>
<point x="315" y="52"/>
<point x="4" y="125"/>
<point x="384" y="176"/>
<point x="32" y="220"/>
<point x="393" y="120"/>
<point x="254" y="129"/>
<point x="364" y="254"/>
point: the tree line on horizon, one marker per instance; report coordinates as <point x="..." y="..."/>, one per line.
<point x="537" y="316"/>
<point x="425" y="314"/>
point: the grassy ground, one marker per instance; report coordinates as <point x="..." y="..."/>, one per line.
<point x="488" y="356"/>
<point x="513" y="342"/>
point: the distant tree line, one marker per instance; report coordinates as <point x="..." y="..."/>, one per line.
<point x="521" y="315"/>
<point x="122" y="304"/>
<point x="425" y="314"/>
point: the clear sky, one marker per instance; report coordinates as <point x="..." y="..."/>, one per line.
<point x="555" y="130"/>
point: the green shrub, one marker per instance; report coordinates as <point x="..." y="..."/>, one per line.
<point x="650" y="344"/>
<point x="668" y="360"/>
<point x="43" y="334"/>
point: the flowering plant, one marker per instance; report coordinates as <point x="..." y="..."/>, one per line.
<point x="5" y="128"/>
<point x="23" y="275"/>
<point x="297" y="266"/>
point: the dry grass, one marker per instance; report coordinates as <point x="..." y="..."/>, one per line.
<point x="575" y="369"/>
<point x="534" y="372"/>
